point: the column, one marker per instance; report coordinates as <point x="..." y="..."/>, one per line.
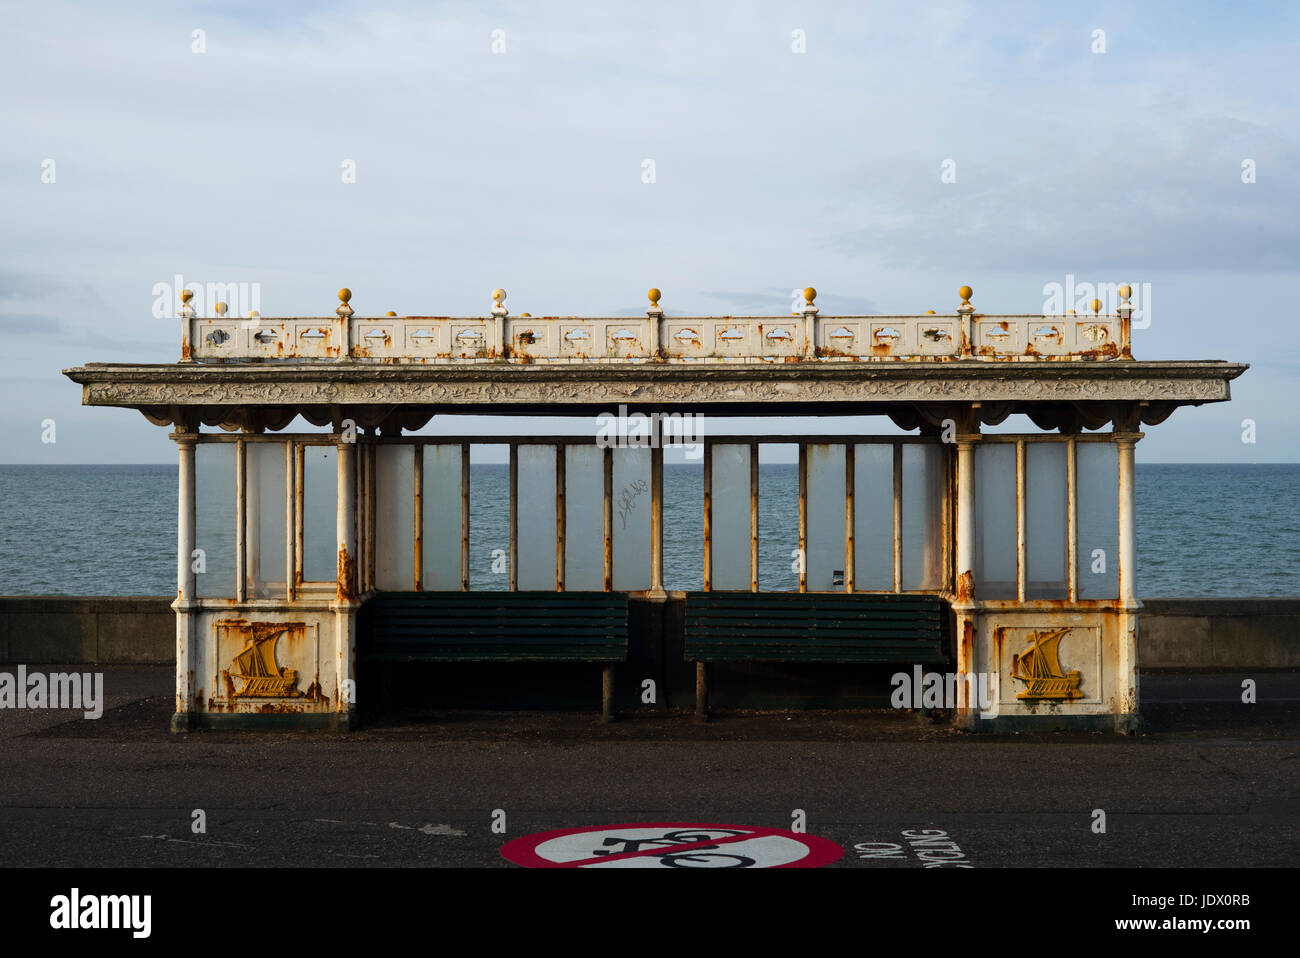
<point x="344" y="604"/>
<point x="185" y="605"/>
<point x="964" y="604"/>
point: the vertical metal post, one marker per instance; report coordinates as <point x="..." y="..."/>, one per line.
<point x="701" y="691"/>
<point x="803" y="517"/>
<point x="753" y="517"/>
<point x="464" y="517"/>
<point x="657" y="515"/>
<point x="850" y="480"/>
<point x="371" y="513"/>
<point x="1127" y="512"/>
<point x="607" y="694"/>
<point x="290" y="518"/>
<point x="418" y="450"/>
<point x="561" y="456"/>
<point x="514" y="513"/>
<point x="964" y="605"/>
<point x="1022" y="573"/>
<point x="300" y="480"/>
<point x="1072" y="519"/>
<point x="241" y="522"/>
<point x="708" y="515"/>
<point x="898" y="517"/>
<point x="607" y="463"/>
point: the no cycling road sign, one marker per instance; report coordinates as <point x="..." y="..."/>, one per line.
<point x="671" y="845"/>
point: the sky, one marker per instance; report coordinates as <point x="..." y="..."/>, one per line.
<point x="505" y="145"/>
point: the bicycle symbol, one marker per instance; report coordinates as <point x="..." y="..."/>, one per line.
<point x="700" y="855"/>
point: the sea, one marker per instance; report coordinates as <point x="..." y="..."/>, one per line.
<point x="1202" y="530"/>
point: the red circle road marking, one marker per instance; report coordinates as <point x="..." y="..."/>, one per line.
<point x="523" y="851"/>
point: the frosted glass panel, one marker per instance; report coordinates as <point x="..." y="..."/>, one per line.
<point x="632" y="519"/>
<point x="536" y="518"/>
<point x="441" y="532"/>
<point x="320" y="549"/>
<point x="584" y="518"/>
<point x="995" y="521"/>
<point x="826" y="512"/>
<point x="1097" y="475"/>
<point x="1045" y="520"/>
<point x="873" y="517"/>
<point x="266" y="519"/>
<point x="395" y="517"/>
<point x="214" y="484"/>
<point x="922" y="516"/>
<point x="731" y="532"/>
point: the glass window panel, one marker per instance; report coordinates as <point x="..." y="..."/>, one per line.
<point x="729" y="551"/>
<point x="825" y="517"/>
<point x="395" y="517"/>
<point x="441" y="532"/>
<point x="632" y="517"/>
<point x="778" y="517"/>
<point x="995" y="520"/>
<point x="1097" y="477"/>
<point x="584" y="518"/>
<point x="489" y="517"/>
<point x="214" y="483"/>
<point x="873" y="517"/>
<point x="535" y="522"/>
<point x="265" y="478"/>
<point x="1045" y="520"/>
<point x="922" y="516"/>
<point x="320" y="485"/>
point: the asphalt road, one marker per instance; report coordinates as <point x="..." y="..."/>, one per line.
<point x="1210" y="782"/>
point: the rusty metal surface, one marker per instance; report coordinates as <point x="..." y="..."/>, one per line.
<point x="718" y="339"/>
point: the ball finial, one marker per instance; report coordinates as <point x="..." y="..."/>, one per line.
<point x="345" y="295"/>
<point x="654" y="295"/>
<point x="1126" y="291"/>
<point x="1096" y="306"/>
<point x="187" y="295"/>
<point x="965" y="293"/>
<point x="221" y="309"/>
<point x="390" y="313"/>
<point x="809" y="294"/>
<point x="929" y="312"/>
<point x="498" y="296"/>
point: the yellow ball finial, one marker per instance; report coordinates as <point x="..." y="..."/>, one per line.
<point x="965" y="293"/>
<point x="345" y="295"/>
<point x="254" y="314"/>
<point x="187" y="295"/>
<point x="929" y="312"/>
<point x="498" y="295"/>
<point x="654" y="295"/>
<point x="390" y="313"/>
<point x="809" y="295"/>
<point x="1126" y="290"/>
<point x="221" y="309"/>
<point x="1096" y="306"/>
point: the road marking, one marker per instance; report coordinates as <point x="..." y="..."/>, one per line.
<point x="671" y="845"/>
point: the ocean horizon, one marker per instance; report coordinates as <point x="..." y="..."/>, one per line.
<point x="1203" y="530"/>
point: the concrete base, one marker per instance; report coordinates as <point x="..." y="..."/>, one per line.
<point x="1123" y="724"/>
<point x="254" y="722"/>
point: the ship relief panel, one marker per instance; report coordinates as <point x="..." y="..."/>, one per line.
<point x="268" y="666"/>
<point x="1049" y="666"/>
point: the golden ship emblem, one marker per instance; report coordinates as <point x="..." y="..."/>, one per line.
<point x="261" y="673"/>
<point x="1039" y="667"/>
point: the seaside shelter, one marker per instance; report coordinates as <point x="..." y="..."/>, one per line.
<point x="315" y="567"/>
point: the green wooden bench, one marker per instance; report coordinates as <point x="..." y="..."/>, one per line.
<point x="812" y="627"/>
<point x="498" y="627"/>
